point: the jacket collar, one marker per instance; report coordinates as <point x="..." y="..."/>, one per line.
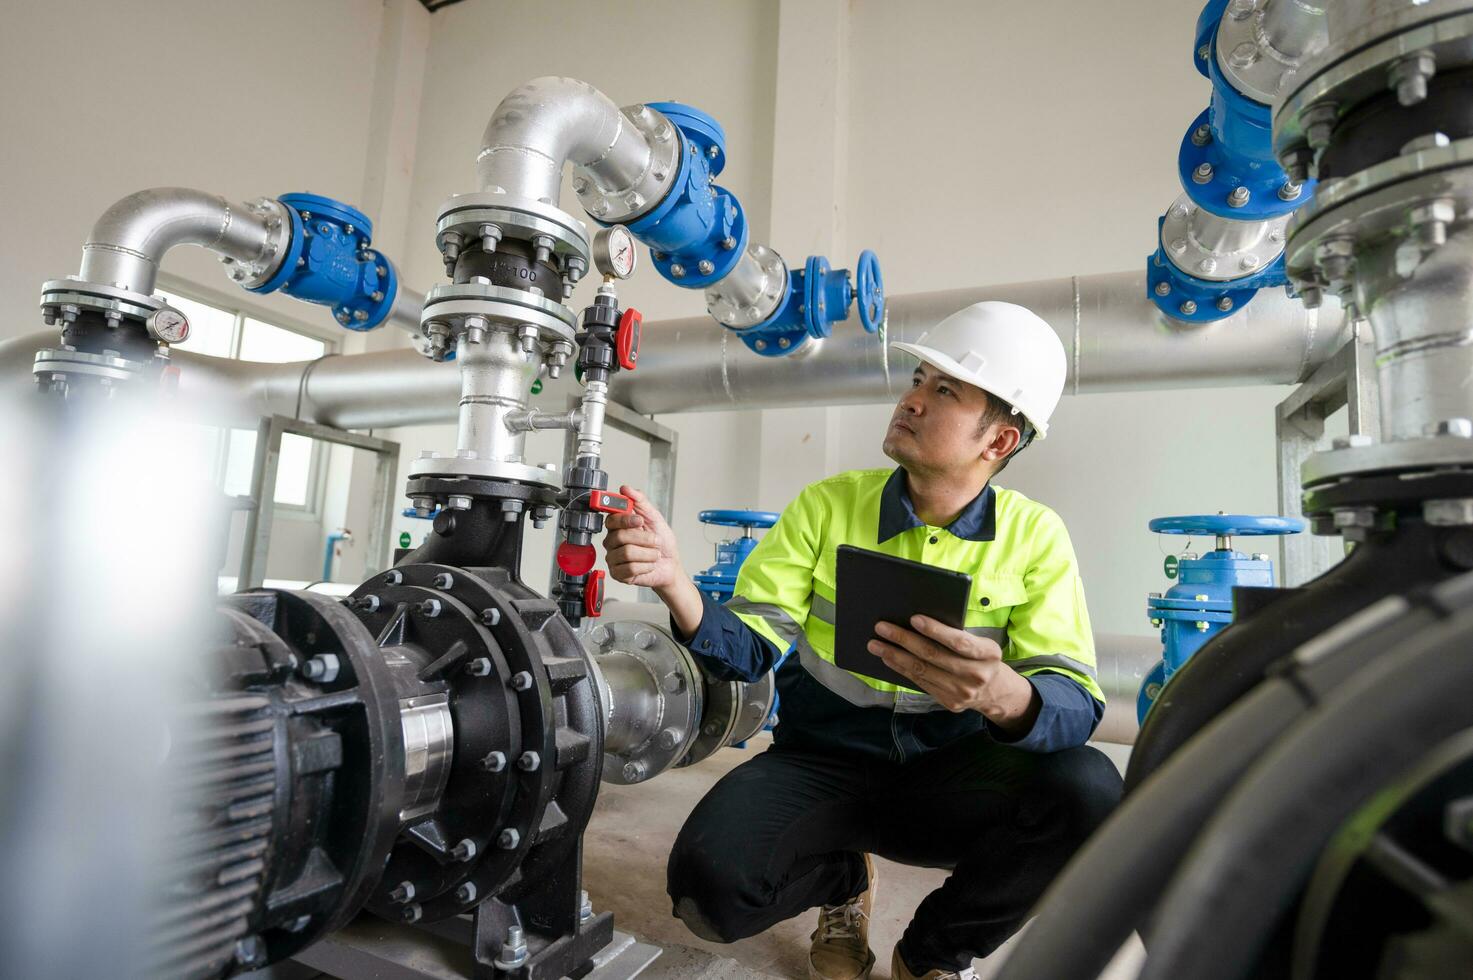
<point x="976" y="522"/>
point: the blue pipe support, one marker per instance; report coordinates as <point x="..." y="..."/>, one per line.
<point x="701" y="230"/>
<point x="1234" y="136"/>
<point x="327" y="556"/>
<point x="330" y="261"/>
<point x="1200" y="605"/>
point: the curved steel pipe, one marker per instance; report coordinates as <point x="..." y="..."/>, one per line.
<point x="131" y="237"/>
<point x="1117" y="341"/>
<point x="548" y="121"/>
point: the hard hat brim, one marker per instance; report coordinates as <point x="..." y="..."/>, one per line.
<point x="948" y="366"/>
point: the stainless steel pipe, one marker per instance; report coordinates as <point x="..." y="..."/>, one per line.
<point x="131" y="237"/>
<point x="1117" y="341"/>
<point x="549" y="121"/>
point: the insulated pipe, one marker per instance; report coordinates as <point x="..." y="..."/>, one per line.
<point x="129" y="240"/>
<point x="548" y="121"/>
<point x="1117" y="341"/>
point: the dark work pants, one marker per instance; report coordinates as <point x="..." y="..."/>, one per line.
<point x="784" y="832"/>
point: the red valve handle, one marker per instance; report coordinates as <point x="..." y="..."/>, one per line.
<point x="607" y="502"/>
<point x="626" y="338"/>
<point x="593" y="594"/>
<point x="575" y="559"/>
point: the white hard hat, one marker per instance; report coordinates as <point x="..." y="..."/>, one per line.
<point x="1002" y="348"/>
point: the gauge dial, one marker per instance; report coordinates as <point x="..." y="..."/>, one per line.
<point x="614" y="252"/>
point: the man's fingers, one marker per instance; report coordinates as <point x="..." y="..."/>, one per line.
<point x="927" y="677"/>
<point x="619" y="537"/>
<point x="621" y="522"/>
<point x="626" y="553"/>
<point x="957" y="641"/>
<point x="642" y="506"/>
<point x="634" y="572"/>
<point x="923" y="648"/>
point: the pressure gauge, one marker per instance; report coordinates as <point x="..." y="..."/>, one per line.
<point x="613" y="251"/>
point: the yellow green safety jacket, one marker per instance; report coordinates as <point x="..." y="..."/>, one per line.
<point x="1026" y="594"/>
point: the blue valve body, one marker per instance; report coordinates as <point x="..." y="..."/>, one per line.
<point x="329" y="261"/>
<point x="1240" y="152"/>
<point x="719" y="580"/>
<point x="697" y="221"/>
<point x="1200" y="605"/>
<point x="701" y="230"/>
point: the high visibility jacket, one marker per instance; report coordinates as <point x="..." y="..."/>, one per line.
<point x="1026" y="594"/>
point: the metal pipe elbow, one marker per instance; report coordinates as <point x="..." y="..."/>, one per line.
<point x="549" y="121"/>
<point x="131" y="237"/>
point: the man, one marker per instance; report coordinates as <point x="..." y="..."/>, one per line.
<point x="985" y="772"/>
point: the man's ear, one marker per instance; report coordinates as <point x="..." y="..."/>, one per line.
<point x="1001" y="440"/>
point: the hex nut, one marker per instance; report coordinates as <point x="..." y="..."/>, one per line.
<point x="464" y="851"/>
<point x="494" y="762"/>
<point x="521" y="681"/>
<point x="479" y="667"/>
<point x="529" y="761"/>
<point x="508" y="839"/>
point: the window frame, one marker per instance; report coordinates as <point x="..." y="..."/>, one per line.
<point x="242" y="310"/>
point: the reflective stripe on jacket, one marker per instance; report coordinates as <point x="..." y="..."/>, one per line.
<point x="1026" y="592"/>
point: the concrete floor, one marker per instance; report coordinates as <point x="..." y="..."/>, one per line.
<point x="629" y="839"/>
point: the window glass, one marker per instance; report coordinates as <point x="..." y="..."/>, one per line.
<point x="294" y="470"/>
<point x="266" y="342"/>
<point x="211" y="331"/>
<point x="239" y="459"/>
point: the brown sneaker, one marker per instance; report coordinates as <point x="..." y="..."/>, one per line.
<point x="840" y="949"/>
<point x="899" y="971"/>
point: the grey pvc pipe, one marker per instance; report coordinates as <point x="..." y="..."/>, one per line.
<point x="129" y="240"/>
<point x="1116" y="339"/>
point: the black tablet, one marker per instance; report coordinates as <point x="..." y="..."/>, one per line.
<point x="874" y="588"/>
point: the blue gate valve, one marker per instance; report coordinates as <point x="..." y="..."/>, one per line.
<point x="719" y="580"/>
<point x="819" y="296"/>
<point x="1200" y="605"/>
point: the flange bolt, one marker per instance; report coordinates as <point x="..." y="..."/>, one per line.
<point x="464" y="851"/>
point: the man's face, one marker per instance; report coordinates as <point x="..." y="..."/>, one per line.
<point x="936" y="425"/>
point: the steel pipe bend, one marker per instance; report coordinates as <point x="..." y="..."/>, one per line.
<point x="131" y="237"/>
<point x="548" y="121"/>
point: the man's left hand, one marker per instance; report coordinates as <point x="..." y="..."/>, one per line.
<point x="961" y="671"/>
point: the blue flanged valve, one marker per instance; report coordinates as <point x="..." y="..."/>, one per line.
<point x="698" y="231"/>
<point x="1200" y="605"/>
<point x="817" y="298"/>
<point x="330" y="261"/>
<point x="1235" y="191"/>
<point x="719" y="580"/>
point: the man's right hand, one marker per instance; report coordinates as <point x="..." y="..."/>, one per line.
<point x="642" y="552"/>
<point x="641" y="547"/>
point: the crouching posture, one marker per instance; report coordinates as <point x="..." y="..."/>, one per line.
<point x="979" y="763"/>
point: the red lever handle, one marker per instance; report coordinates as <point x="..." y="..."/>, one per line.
<point x="607" y="502"/>
<point x="626" y="338"/>
<point x="593" y="594"/>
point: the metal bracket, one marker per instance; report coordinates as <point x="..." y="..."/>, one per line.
<point x="1347" y="379"/>
<point x="260" y="506"/>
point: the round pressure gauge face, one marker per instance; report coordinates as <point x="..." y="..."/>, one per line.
<point x="614" y="252"/>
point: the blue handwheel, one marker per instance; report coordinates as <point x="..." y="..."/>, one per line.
<point x="1226" y="525"/>
<point x="870" y="291"/>
<point x="738" y="518"/>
